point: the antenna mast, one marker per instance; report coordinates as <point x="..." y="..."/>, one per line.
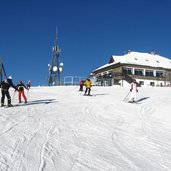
<point x="55" y="68"/>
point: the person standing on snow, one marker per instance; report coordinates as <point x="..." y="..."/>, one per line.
<point x="5" y="85"/>
<point x="29" y="84"/>
<point x="88" y="86"/>
<point x="20" y="87"/>
<point x="133" y="91"/>
<point x="81" y="85"/>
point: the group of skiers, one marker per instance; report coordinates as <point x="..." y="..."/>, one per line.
<point x="6" y="84"/>
<point x="87" y="84"/>
<point x="133" y="89"/>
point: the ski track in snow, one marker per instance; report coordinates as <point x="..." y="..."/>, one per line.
<point x="65" y="131"/>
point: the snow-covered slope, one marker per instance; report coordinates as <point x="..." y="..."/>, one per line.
<point x="62" y="130"/>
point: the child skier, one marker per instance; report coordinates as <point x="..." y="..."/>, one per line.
<point x="20" y="88"/>
<point x="134" y="91"/>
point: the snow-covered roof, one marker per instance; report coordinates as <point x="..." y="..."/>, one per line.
<point x="139" y="58"/>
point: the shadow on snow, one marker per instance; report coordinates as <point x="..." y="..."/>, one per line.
<point x="99" y="94"/>
<point x="43" y="101"/>
<point x="141" y="99"/>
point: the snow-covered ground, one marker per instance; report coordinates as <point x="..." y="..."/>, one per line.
<point x="62" y="130"/>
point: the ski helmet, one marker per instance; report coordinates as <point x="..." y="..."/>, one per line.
<point x="10" y="77"/>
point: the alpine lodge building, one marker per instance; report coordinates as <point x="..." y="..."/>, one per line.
<point x="149" y="69"/>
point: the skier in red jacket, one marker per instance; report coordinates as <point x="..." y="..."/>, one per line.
<point x="81" y="85"/>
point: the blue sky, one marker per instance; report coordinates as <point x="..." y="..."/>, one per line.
<point x="89" y="32"/>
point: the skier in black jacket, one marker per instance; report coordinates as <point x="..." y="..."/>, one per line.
<point x="5" y="85"/>
<point x="20" y="87"/>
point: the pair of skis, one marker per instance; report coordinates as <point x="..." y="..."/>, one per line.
<point x="15" y="105"/>
<point x="132" y="102"/>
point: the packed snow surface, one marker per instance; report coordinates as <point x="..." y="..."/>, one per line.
<point x="62" y="130"/>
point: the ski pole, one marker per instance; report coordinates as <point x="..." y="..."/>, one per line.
<point x="126" y="96"/>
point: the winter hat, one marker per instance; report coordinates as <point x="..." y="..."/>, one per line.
<point x="10" y="77"/>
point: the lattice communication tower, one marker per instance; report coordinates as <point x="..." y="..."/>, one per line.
<point x="55" y="68"/>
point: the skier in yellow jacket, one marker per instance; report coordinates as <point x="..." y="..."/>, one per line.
<point x="88" y="86"/>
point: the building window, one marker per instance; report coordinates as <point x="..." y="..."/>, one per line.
<point x="152" y="84"/>
<point x="141" y="82"/>
<point x="159" y="74"/>
<point x="138" y="72"/>
<point x="149" y="73"/>
<point x="127" y="71"/>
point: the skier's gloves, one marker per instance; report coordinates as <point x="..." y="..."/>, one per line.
<point x="130" y="89"/>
